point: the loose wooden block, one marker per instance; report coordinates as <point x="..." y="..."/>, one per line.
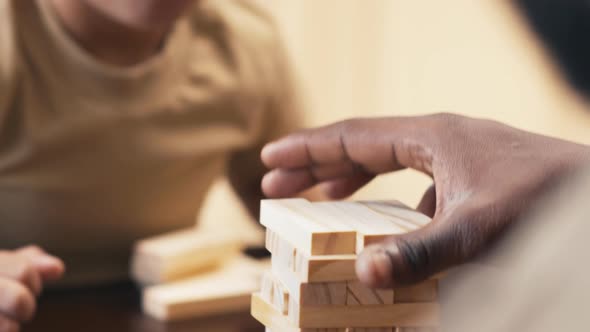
<point x="178" y="254"/>
<point x="426" y="291"/>
<point x="307" y="227"/>
<point x="226" y="289"/>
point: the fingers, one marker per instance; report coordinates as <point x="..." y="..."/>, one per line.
<point x="427" y="204"/>
<point x="8" y="325"/>
<point x="415" y="256"/>
<point x="342" y="188"/>
<point x="16" y="301"/>
<point x="20" y="269"/>
<point x="343" y="142"/>
<point x="370" y="146"/>
<point x="49" y="267"/>
<point x="300" y="179"/>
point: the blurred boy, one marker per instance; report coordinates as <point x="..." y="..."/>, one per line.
<point x="115" y="118"/>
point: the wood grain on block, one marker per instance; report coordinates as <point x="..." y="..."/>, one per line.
<point x="370" y="329"/>
<point x="359" y="294"/>
<point x="329" y="293"/>
<point x="307" y="227"/>
<point x="318" y="268"/>
<point x="399" y="210"/>
<point x="226" y="289"/>
<point x="178" y="254"/>
<point x="371" y="226"/>
<point x="426" y="291"/>
<point x="327" y="268"/>
<point x="403" y="314"/>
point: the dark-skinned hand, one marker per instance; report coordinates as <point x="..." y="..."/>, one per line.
<point x="485" y="174"/>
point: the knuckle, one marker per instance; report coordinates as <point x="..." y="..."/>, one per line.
<point x="447" y="120"/>
<point x="417" y="257"/>
<point x="24" y="271"/>
<point x="348" y="125"/>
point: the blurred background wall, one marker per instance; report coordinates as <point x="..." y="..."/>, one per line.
<point x="404" y="57"/>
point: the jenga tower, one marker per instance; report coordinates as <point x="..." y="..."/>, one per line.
<point x="312" y="285"/>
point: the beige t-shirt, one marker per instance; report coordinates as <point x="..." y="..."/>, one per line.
<point x="94" y="157"/>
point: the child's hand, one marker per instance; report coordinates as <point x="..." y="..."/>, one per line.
<point x="22" y="274"/>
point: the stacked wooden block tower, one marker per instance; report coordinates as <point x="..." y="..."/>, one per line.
<point x="312" y="285"/>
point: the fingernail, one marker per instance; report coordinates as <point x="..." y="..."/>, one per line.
<point x="373" y="267"/>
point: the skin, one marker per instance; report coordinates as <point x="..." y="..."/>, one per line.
<point x="485" y="176"/>
<point x="121" y="33"/>
<point x="22" y="275"/>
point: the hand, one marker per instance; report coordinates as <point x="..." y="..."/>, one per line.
<point x="22" y="274"/>
<point x="485" y="176"/>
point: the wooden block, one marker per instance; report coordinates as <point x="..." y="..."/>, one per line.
<point x="403" y="314"/>
<point x="175" y="255"/>
<point x="270" y="317"/>
<point x="281" y="297"/>
<point x="371" y="226"/>
<point x="398" y="210"/>
<point x="267" y="286"/>
<point x="359" y="294"/>
<point x="226" y="289"/>
<point x="303" y="293"/>
<point x="266" y="314"/>
<point x="307" y="227"/>
<point x="322" y="294"/>
<point x="426" y="291"/>
<point x="325" y="268"/>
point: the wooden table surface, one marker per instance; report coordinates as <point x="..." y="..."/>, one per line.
<point x="117" y="308"/>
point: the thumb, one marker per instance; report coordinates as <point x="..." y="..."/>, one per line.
<point x="49" y="267"/>
<point x="409" y="258"/>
